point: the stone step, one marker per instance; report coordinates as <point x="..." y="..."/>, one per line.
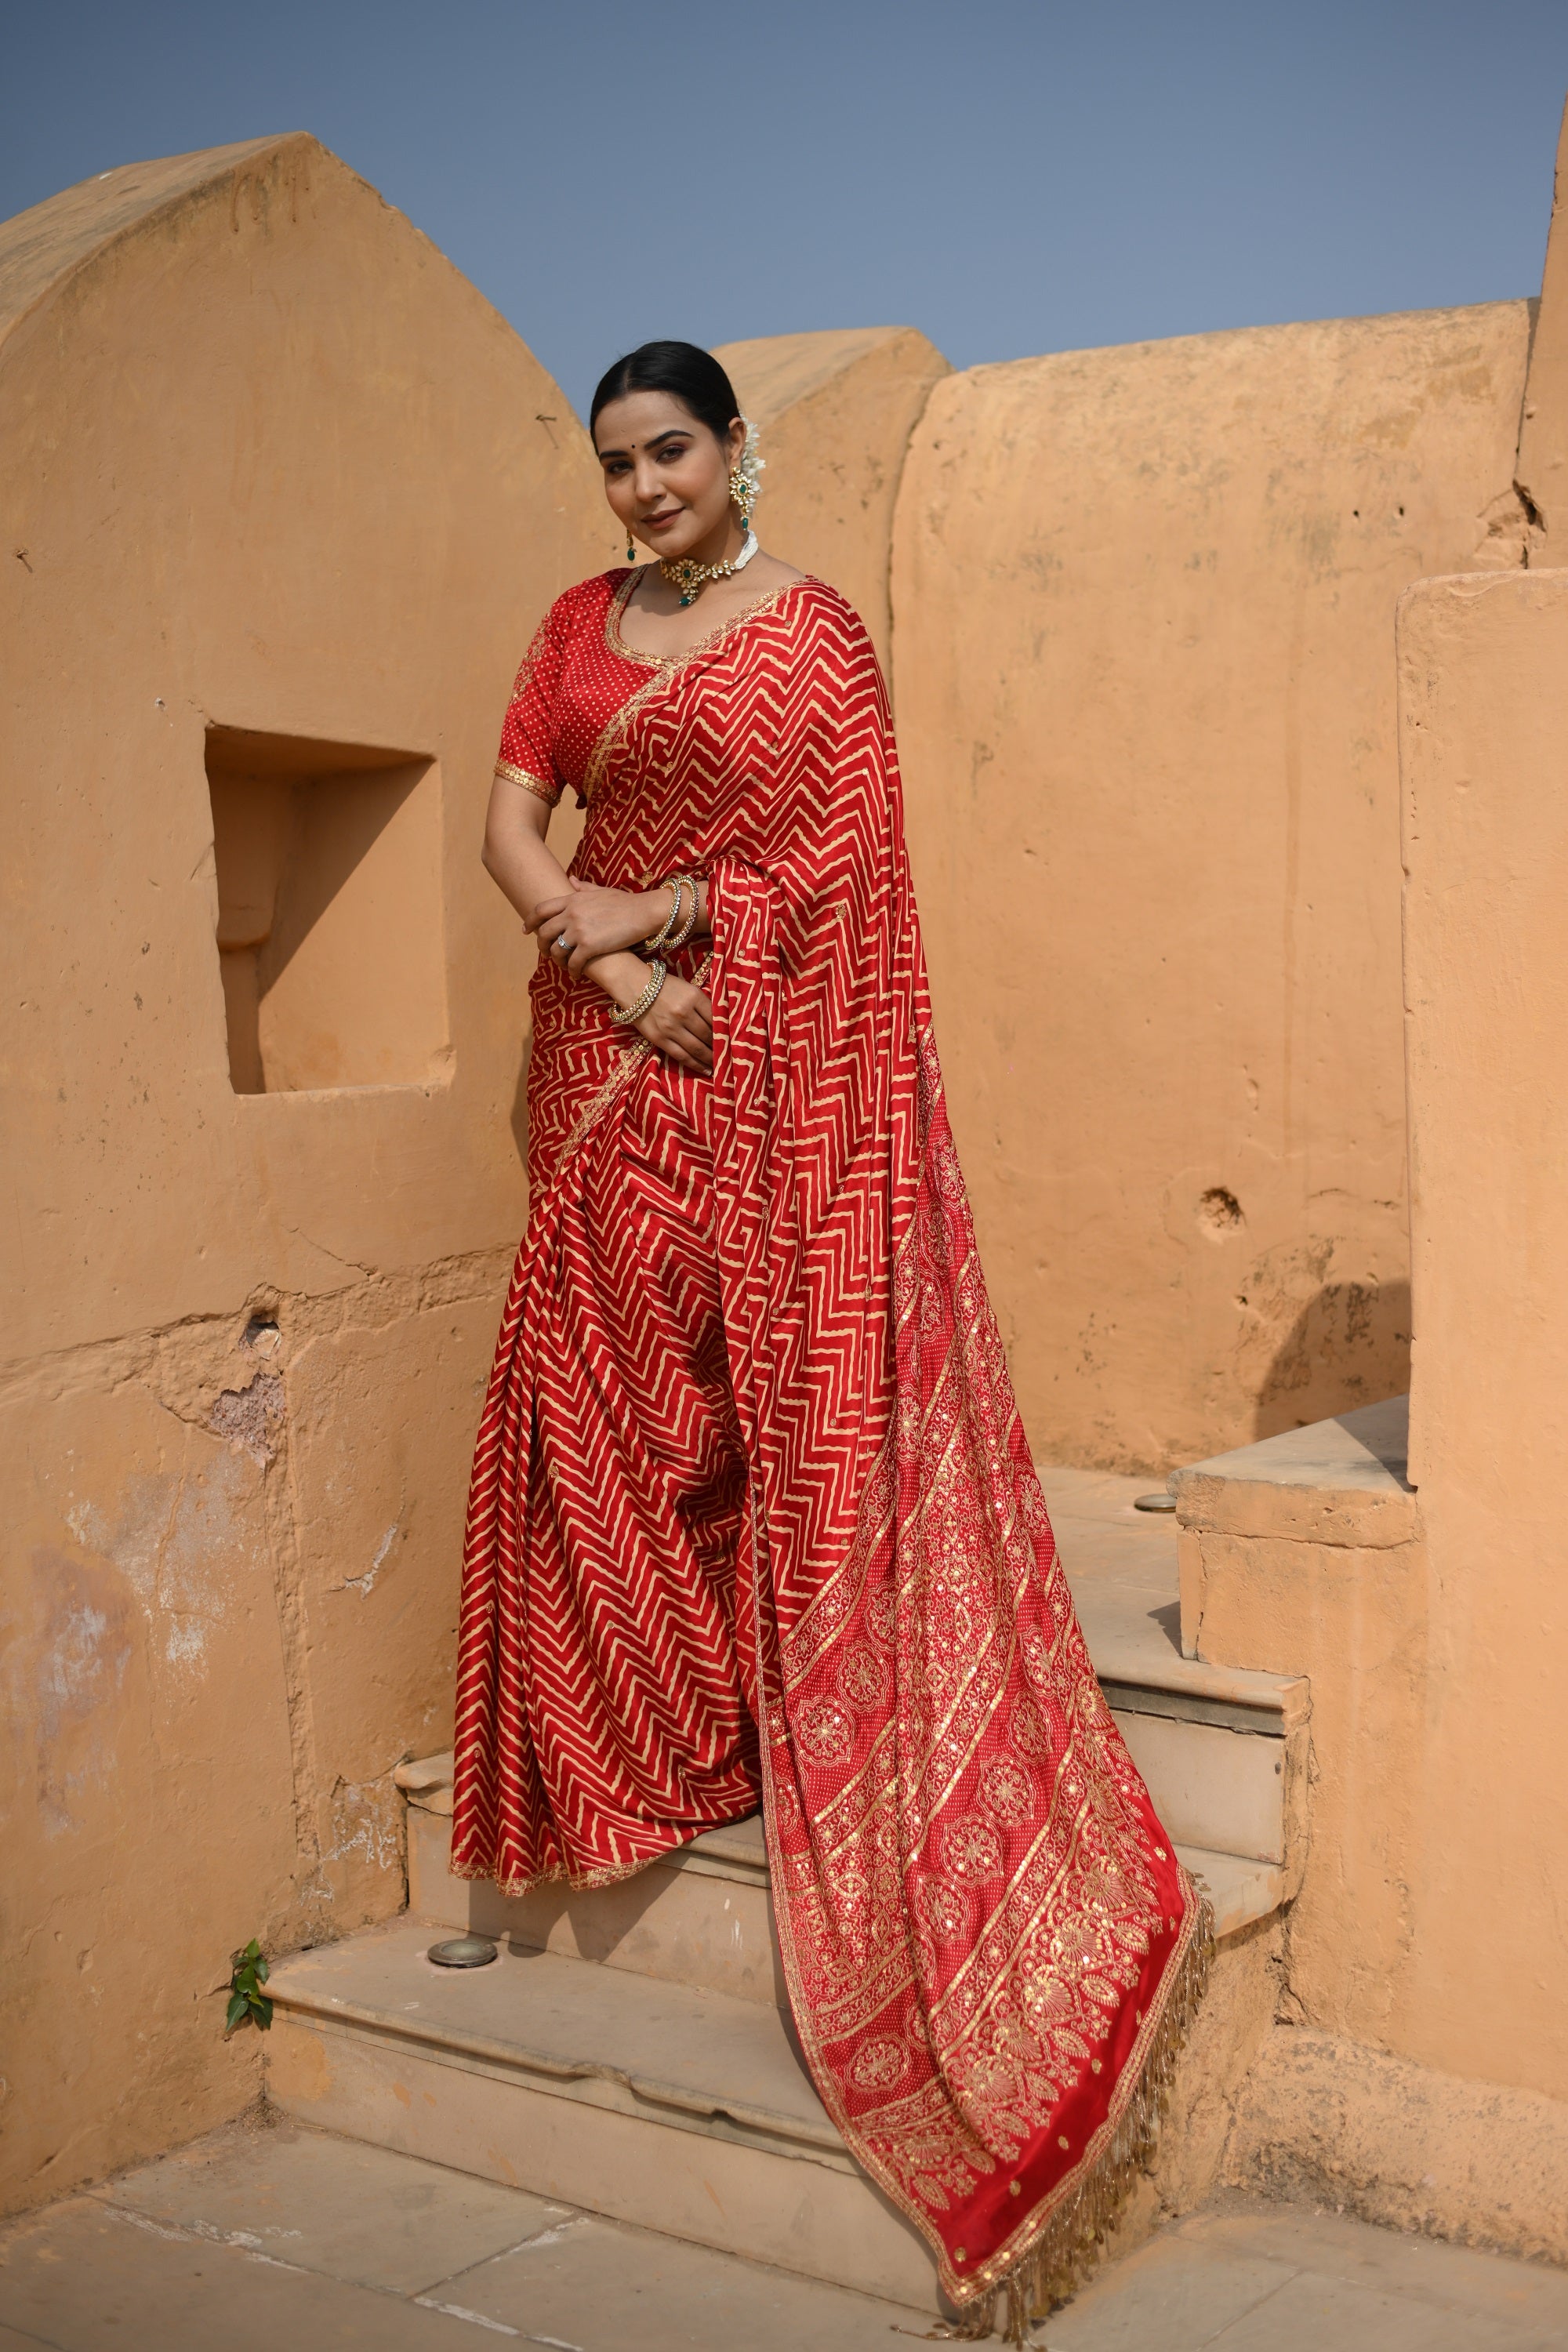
<point x="683" y="2111"/>
<point x="624" y="2087"/>
<point x="1224" y="1753"/>
<point x="1223" y="1750"/>
<point x="701" y="1916"/>
<point x="1121" y="1567"/>
<point x="662" y="2085"/>
<point x="1224" y="1759"/>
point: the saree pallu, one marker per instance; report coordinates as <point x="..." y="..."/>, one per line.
<point x="754" y="1514"/>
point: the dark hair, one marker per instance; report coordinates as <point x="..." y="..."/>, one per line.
<point x="692" y="375"/>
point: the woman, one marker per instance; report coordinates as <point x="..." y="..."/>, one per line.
<point x="754" y="1520"/>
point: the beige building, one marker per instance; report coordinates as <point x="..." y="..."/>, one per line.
<point x="1234" y="912"/>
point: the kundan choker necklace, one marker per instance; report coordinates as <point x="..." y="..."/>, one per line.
<point x="692" y="578"/>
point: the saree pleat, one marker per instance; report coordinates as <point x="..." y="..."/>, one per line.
<point x="618" y="1488"/>
<point x="754" y="1510"/>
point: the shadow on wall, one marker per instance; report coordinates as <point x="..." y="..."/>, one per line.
<point x="330" y="917"/>
<point x="520" y="1099"/>
<point x="1348" y="1345"/>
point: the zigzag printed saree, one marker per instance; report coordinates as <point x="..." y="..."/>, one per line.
<point x="753" y="1518"/>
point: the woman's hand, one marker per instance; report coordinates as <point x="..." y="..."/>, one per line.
<point x="679" y="1023"/>
<point x="589" y="922"/>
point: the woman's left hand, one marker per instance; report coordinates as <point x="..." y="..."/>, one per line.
<point x="590" y="923"/>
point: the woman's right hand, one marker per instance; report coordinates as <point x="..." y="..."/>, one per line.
<point x="575" y="928"/>
<point x="679" y="1024"/>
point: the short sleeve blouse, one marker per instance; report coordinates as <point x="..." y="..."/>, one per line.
<point x="570" y="685"/>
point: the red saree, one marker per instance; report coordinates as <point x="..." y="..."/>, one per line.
<point x="752" y="1514"/>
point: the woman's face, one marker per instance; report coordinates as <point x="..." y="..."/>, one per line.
<point x="666" y="475"/>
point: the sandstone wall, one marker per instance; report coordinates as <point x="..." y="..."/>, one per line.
<point x="1484" y="681"/>
<point x="1432" y="1628"/>
<point x="1143" y="614"/>
<point x="284" y="500"/>
<point x="1419" y="2071"/>
<point x="1544" y="428"/>
<point x="834" y="414"/>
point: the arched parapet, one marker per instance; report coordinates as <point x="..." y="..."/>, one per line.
<point x="285" y="498"/>
<point x="834" y="411"/>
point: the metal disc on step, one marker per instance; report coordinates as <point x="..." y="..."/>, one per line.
<point x="1163" y="1501"/>
<point x="464" y="1952"/>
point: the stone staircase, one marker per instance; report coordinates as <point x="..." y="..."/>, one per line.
<point x="631" y="2051"/>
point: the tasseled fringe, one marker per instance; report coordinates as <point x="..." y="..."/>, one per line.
<point x="1070" y="2246"/>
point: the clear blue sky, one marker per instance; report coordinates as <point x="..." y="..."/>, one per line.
<point x="1011" y="178"/>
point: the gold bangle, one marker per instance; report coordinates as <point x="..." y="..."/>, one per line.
<point x="625" y="1013"/>
<point x="689" y="925"/>
<point x="658" y="937"/>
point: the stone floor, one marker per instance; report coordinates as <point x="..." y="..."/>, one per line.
<point x="267" y="2238"/>
<point x="1272" y="2278"/>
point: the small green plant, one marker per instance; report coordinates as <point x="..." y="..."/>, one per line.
<point x="247" y="2004"/>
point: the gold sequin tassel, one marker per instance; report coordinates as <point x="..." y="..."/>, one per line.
<point x="1071" y="2245"/>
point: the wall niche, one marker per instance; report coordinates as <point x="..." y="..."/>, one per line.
<point x="330" y="920"/>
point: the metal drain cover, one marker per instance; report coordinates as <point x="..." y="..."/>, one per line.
<point x="464" y="1952"/>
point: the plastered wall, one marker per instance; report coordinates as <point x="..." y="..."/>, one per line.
<point x="1543" y="426"/>
<point x="834" y="413"/>
<point x="1419" y="2073"/>
<point x="1484" y="676"/>
<point x="1142" y="619"/>
<point x="1433" y="1626"/>
<point x="272" y="467"/>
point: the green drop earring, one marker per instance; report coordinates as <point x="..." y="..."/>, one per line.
<point x="631" y="551"/>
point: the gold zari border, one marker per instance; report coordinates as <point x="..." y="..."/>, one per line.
<point x="536" y="785"/>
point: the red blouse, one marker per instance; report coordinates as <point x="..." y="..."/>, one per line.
<point x="575" y="677"/>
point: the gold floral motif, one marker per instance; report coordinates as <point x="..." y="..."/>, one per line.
<point x="826" y="1730"/>
<point x="942" y="1906"/>
<point x="972" y="1850"/>
<point x="1028" y="1729"/>
<point x="1009" y="1791"/>
<point x="882" y="1618"/>
<point x="879" y="2063"/>
<point x="862" y="1676"/>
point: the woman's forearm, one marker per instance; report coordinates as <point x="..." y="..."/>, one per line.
<point x="528" y="873"/>
<point x="519" y="862"/>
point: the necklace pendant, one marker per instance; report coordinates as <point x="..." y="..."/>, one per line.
<point x="690" y="597"/>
